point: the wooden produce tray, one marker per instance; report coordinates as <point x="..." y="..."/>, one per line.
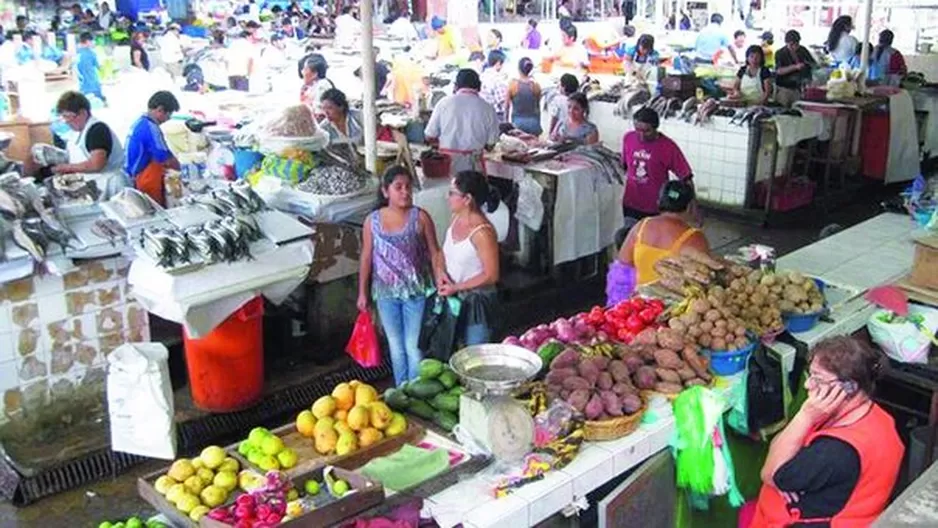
<point x="148" y="492"/>
<point x="368" y="495"/>
<point x="309" y="460"/>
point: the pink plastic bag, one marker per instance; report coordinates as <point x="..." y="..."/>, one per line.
<point x="363" y="345"/>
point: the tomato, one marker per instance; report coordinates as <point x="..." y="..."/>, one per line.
<point x="657" y="304"/>
<point x="637" y="304"/>
<point x="648" y="315"/>
<point x="626" y="336"/>
<point x="634" y="323"/>
<point x="610" y="329"/>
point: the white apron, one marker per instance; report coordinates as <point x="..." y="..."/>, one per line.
<point x="751" y="88"/>
<point x="112" y="178"/>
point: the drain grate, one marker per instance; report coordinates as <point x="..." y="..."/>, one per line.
<point x="274" y="410"/>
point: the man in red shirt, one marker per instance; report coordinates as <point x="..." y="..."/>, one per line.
<point x="650" y="158"/>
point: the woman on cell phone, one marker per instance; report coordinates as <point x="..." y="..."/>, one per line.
<point x="836" y="462"/>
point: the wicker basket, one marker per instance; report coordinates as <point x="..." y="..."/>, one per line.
<point x="613" y="428"/>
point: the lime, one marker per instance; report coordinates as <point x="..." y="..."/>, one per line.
<point x="106" y="524"/>
<point x="134" y="522"/>
<point x="340" y="488"/>
<point x="311" y="487"/>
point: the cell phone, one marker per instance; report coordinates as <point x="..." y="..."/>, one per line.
<point x="849" y="387"/>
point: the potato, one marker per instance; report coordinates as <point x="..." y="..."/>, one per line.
<point x="619" y="371"/>
<point x="705" y="340"/>
<point x="741" y="342"/>
<point x="611" y="403"/>
<point x="566" y="359"/>
<point x="700" y="306"/>
<point x="718" y="344"/>
<point x="740" y="331"/>
<point x="690" y="318"/>
<point x="631" y="403"/>
<point x="720" y="323"/>
<point x="694" y="382"/>
<point x="576" y="382"/>
<point x="694" y="331"/>
<point x="605" y="381"/>
<point x="795" y="294"/>
<point x="718" y="332"/>
<point x="668" y="359"/>
<point x="645" y="378"/>
<point x="668" y="338"/>
<point x="677" y="325"/>
<point x="706" y="326"/>
<point x="647" y="336"/>
<point x="578" y="399"/>
<point x="668" y="388"/>
<point x="786" y="306"/>
<point x="712" y="315"/>
<point x="668" y="375"/>
<point x="594" y="408"/>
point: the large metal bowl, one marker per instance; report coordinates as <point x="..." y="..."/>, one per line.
<point x="495" y="368"/>
<point x="5" y="139"/>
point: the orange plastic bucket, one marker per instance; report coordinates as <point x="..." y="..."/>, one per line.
<point x="226" y="367"/>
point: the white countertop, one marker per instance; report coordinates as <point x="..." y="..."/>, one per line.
<point x="472" y="503"/>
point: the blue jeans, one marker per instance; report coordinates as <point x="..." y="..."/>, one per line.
<point x="401" y="320"/>
<point x="477" y="334"/>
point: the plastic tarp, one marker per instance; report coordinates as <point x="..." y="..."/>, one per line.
<point x="132" y="8"/>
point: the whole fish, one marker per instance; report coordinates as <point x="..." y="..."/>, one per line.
<point x="133" y="203"/>
<point x="109" y="229"/>
<point x="31" y="242"/>
<point x="11" y="205"/>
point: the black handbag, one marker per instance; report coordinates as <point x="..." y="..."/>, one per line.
<point x="764" y="391"/>
<point x="438" y="330"/>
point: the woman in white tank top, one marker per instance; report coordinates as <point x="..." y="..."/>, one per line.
<point x="470" y="254"/>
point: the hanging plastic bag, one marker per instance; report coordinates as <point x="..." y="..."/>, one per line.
<point x="363" y="345"/>
<point x="904" y="339"/>
<point x="438" y="331"/>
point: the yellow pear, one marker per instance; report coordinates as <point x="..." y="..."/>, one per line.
<point x="343" y="427"/>
<point x="341" y="415"/>
<point x="354" y="384"/>
<point x="347" y="443"/>
<point x="380" y="414"/>
<point x="325" y="442"/>
<point x="207" y="475"/>
<point x="358" y="418"/>
<point x="306" y="423"/>
<point x="344" y="396"/>
<point x="163" y="484"/>
<point x="181" y="470"/>
<point x="369" y="436"/>
<point x="365" y="394"/>
<point x="326" y="424"/>
<point x="324" y="407"/>
<point x="397" y="425"/>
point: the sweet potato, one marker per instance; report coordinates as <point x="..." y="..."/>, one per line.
<point x="668" y="388"/>
<point x="588" y="371"/>
<point x="624" y="388"/>
<point x="565" y="393"/>
<point x="556" y="376"/>
<point x="600" y="362"/>
<point x="566" y="359"/>
<point x="631" y="403"/>
<point x="647" y="336"/>
<point x="605" y="381"/>
<point x="633" y="362"/>
<point x="594" y="408"/>
<point x="668" y="338"/>
<point x="668" y="375"/>
<point x="620" y="373"/>
<point x="686" y="373"/>
<point x="645" y="378"/>
<point x="695" y="362"/>
<point x="695" y="381"/>
<point x="578" y="399"/>
<point x="668" y="359"/>
<point x="611" y="403"/>
<point x="576" y="382"/>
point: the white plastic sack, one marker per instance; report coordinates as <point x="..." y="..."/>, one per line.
<point x="903" y="341"/>
<point x="140" y="401"/>
<point x="530" y="210"/>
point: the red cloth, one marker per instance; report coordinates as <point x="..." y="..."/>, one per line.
<point x="876" y="441"/>
<point x="150" y="182"/>
<point x="649" y="166"/>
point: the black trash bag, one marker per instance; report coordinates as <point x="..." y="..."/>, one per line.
<point x="439" y="328"/>
<point x="764" y="391"/>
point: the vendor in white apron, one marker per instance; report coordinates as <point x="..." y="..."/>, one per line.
<point x="753" y="81"/>
<point x="95" y="152"/>
<point x="464" y="125"/>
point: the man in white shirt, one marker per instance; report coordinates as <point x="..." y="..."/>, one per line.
<point x="105" y="17"/>
<point x="171" y="50"/>
<point x="463" y="124"/>
<point x="347" y="29"/>
<point x="402" y="29"/>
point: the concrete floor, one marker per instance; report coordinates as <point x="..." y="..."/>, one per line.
<point x="117" y="498"/>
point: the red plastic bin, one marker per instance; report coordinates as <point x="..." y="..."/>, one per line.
<point x="226" y="367"/>
<point x="787" y="194"/>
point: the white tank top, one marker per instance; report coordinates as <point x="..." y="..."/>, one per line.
<point x="462" y="258"/>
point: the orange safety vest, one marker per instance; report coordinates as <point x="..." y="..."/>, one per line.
<point x="876" y="441"/>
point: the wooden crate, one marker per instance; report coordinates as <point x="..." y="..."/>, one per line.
<point x="309" y="460"/>
<point x="368" y="494"/>
<point x="925" y="266"/>
<point x="148" y="492"/>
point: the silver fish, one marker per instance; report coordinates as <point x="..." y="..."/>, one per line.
<point x="10" y="204"/>
<point x="133" y="203"/>
<point x="30" y="241"/>
<point x="109" y="229"/>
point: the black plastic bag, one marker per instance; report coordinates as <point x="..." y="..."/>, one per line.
<point x="438" y="331"/>
<point x="766" y="401"/>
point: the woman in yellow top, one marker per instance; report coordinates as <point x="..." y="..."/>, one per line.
<point x="654" y="238"/>
<point x="446" y="42"/>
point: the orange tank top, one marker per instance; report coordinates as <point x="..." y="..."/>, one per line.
<point x="645" y="256"/>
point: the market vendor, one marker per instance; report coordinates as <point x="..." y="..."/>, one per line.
<point x="840" y="43"/>
<point x="577" y="127"/>
<point x="667" y="234"/>
<point x="464" y="125"/>
<point x="87" y="66"/>
<point x="712" y="41"/>
<point x="753" y="81"/>
<point x="642" y="53"/>
<point x="347" y="29"/>
<point x="35" y="47"/>
<point x="650" y="158"/>
<point x="95" y="151"/>
<point x="495" y="83"/>
<point x="768" y="49"/>
<point x="446" y="42"/>
<point x="837" y="461"/>
<point x="315" y="82"/>
<point x="571" y="53"/>
<point x="339" y="123"/>
<point x="138" y="54"/>
<point x="148" y="155"/>
<point x="793" y="69"/>
<point x="890" y="60"/>
<point x="523" y="105"/>
<point x="557" y="104"/>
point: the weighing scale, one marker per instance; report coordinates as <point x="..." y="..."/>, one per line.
<point x="487" y="410"/>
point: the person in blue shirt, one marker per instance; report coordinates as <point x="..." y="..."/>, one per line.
<point x="874" y="70"/>
<point x="290" y="31"/>
<point x="87" y="67"/>
<point x="643" y="52"/>
<point x="148" y="155"/>
<point x="713" y="39"/>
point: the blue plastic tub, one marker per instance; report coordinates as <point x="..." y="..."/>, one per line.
<point x="245" y="160"/>
<point x="724" y="363"/>
<point x="801" y="322"/>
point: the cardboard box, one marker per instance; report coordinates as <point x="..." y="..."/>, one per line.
<point x="925" y="266"/>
